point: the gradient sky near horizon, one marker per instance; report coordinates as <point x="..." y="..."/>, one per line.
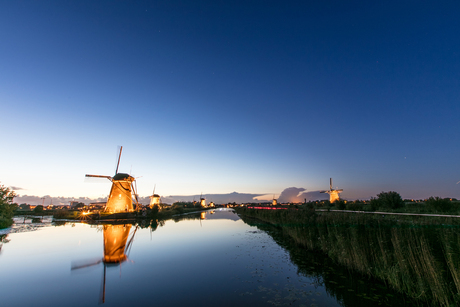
<point x="222" y="96"/>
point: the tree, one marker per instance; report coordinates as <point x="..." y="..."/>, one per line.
<point x="390" y="200"/>
<point x="38" y="209"/>
<point x="7" y="208"/>
<point x="374" y="204"/>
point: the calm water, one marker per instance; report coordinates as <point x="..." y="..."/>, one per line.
<point x="216" y="261"/>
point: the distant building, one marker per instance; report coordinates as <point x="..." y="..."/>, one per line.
<point x="76" y="205"/>
<point x="97" y="205"/>
<point x="24" y="207"/>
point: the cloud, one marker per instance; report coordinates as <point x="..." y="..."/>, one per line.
<point x="291" y="194"/>
<point x="295" y="195"/>
<point x="216" y="198"/>
<point x="16" y="188"/>
<point x="57" y="201"/>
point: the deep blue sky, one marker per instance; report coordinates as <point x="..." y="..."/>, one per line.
<point x="222" y="96"/>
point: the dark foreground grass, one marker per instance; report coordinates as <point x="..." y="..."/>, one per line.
<point x="417" y="256"/>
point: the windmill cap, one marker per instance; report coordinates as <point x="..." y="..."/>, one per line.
<point x="122" y="176"/>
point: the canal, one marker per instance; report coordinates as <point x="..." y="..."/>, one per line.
<point x="217" y="259"/>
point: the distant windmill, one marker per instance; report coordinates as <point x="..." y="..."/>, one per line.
<point x="333" y="194"/>
<point x="116" y="246"/>
<point x="121" y="194"/>
<point x="202" y="201"/>
<point x="154" y="199"/>
<point x="274" y="201"/>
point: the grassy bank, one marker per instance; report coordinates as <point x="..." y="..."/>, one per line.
<point x="348" y="287"/>
<point x="416" y="256"/>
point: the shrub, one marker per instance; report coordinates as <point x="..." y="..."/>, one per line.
<point x="154" y="210"/>
<point x="438" y="204"/>
<point x="390" y="200"/>
<point x="340" y="204"/>
<point x="59" y="214"/>
<point x="355" y="206"/>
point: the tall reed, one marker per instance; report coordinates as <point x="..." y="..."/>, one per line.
<point x="416" y="256"/>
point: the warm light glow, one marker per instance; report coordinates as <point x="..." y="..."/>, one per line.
<point x="154" y="201"/>
<point x="115" y="237"/>
<point x="120" y="198"/>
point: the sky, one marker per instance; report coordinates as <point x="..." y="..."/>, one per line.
<point x="217" y="97"/>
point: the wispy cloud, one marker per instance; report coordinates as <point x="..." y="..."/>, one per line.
<point x="16" y="188"/>
<point x="37" y="200"/>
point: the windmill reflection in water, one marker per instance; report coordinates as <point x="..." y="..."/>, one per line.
<point x="116" y="249"/>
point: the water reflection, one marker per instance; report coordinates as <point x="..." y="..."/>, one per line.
<point x="244" y="264"/>
<point x="115" y="238"/>
<point x="116" y="246"/>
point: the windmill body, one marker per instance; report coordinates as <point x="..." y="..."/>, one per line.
<point x="203" y="202"/>
<point x="120" y="197"/>
<point x="154" y="200"/>
<point x="274" y="201"/>
<point x="333" y="193"/>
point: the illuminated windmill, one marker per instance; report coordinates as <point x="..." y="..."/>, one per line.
<point x="154" y="199"/>
<point x="274" y="201"/>
<point x="116" y="246"/>
<point x="333" y="194"/>
<point x="202" y="201"/>
<point x="121" y="194"/>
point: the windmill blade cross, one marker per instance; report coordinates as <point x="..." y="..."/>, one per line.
<point x="84" y="264"/>
<point x="98" y="176"/>
<point x="102" y="290"/>
<point x="118" y="160"/>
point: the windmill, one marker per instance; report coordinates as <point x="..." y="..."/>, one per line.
<point x="154" y="199"/>
<point x="274" y="201"/>
<point x="202" y="201"/>
<point x="121" y="194"/>
<point x="333" y="194"/>
<point x="116" y="246"/>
